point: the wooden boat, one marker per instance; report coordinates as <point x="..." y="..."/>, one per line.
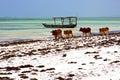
<point x="64" y="22"/>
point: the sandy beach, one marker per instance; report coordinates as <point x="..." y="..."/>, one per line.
<point x="79" y="58"/>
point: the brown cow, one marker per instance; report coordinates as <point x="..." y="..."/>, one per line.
<point x="68" y="33"/>
<point x="57" y="33"/>
<point x="104" y="31"/>
<point x="85" y="31"/>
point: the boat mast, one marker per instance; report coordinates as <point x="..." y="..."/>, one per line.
<point x="54" y="21"/>
<point x="76" y="20"/>
<point x="70" y="22"/>
<point x="62" y="20"/>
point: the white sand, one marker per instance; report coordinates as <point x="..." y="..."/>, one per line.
<point x="70" y="59"/>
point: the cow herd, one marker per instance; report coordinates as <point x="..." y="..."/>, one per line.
<point x="85" y="32"/>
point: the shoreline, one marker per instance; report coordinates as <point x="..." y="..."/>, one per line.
<point x="24" y="41"/>
<point x="49" y="38"/>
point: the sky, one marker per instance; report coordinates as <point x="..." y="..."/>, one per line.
<point x="50" y="8"/>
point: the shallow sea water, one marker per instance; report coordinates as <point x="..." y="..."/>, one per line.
<point x="32" y="28"/>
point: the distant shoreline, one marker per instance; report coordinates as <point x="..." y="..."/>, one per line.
<point x="50" y="18"/>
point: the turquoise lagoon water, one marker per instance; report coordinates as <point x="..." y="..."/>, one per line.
<point x="32" y="28"/>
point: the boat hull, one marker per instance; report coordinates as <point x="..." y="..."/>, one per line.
<point x="59" y="26"/>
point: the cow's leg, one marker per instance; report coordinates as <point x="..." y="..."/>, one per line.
<point x="55" y="37"/>
<point x="71" y="35"/>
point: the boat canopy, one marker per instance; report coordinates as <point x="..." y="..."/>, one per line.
<point x="66" y="20"/>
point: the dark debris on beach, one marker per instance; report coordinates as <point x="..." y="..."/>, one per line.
<point x="5" y="78"/>
<point x="67" y="44"/>
<point x="32" y="41"/>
